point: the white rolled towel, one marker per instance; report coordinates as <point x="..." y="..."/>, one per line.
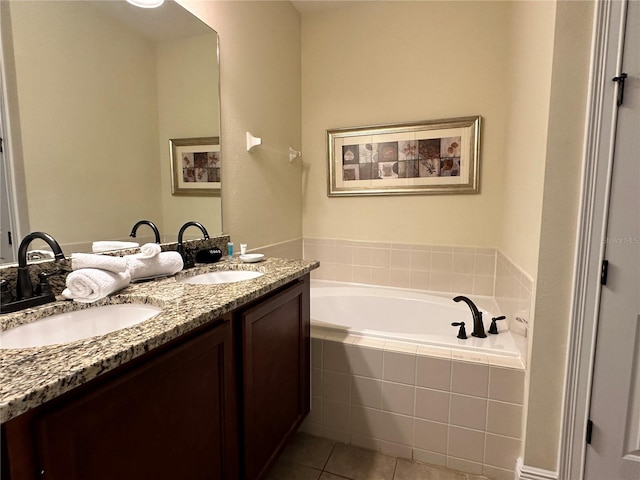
<point x="91" y="284"/>
<point x="164" y="263"/>
<point x="103" y="262"/>
<point x="106" y="245"/>
<point x="149" y="250"/>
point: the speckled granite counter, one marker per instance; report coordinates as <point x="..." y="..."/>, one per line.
<point x="33" y="376"/>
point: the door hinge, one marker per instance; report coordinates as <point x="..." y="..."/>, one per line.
<point x="620" y="81"/>
<point x="9" y="238"/>
<point x="604" y="271"/>
<point x="589" y="431"/>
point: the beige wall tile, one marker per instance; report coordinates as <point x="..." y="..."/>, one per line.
<point x="380" y="276"/>
<point x="420" y="260"/>
<point x="335" y="357"/>
<point x="398" y="398"/>
<point x="399" y="367"/>
<point x="336" y="386"/>
<point x="399" y="278"/>
<point x="432" y="405"/>
<point x="316" y="382"/>
<point x="466" y="444"/>
<point x="441" y="262"/>
<point x="400" y="258"/>
<point x="336" y="416"/>
<point x="466" y="466"/>
<point x="442" y="281"/>
<point x="469" y="412"/>
<point x="505" y="419"/>
<point x="366" y="392"/>
<point x="366" y="362"/>
<point x="498" y="473"/>
<point x="316" y="352"/>
<point x="433" y="373"/>
<point x="396" y="428"/>
<point x="365" y="422"/>
<point x="420" y="280"/>
<point x="429" y="457"/>
<point x="507" y="385"/>
<point x="431" y="436"/>
<point x="501" y="451"/>
<point x="470" y="379"/>
<point x="380" y="257"/>
<point x="463" y="263"/>
<point x="361" y="274"/>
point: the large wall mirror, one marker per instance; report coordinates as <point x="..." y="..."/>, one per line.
<point x="95" y="92"/>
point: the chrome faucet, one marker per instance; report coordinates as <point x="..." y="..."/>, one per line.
<point x="24" y="287"/>
<point x="478" y="325"/>
<point x="156" y="232"/>
<point x="188" y="262"/>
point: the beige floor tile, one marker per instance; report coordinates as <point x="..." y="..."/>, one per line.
<point x="360" y="464"/>
<point x="308" y="450"/>
<point x="284" y="470"/>
<point x="407" y="470"/>
<point x="331" y="476"/>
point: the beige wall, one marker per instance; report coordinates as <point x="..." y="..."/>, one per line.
<point x="386" y="62"/>
<point x="564" y="157"/>
<point x="187" y="108"/>
<point x="531" y="36"/>
<point x="70" y="179"/>
<point x="260" y="91"/>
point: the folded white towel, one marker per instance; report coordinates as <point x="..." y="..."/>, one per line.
<point x="149" y="250"/>
<point x="103" y="262"/>
<point x="91" y="284"/>
<point x="164" y="263"/>
<point x="106" y="245"/>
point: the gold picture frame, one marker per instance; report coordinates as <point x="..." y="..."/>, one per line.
<point x="195" y="166"/>
<point x="418" y="158"/>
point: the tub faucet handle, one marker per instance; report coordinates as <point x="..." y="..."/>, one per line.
<point x="494" y="328"/>
<point x="462" y="333"/>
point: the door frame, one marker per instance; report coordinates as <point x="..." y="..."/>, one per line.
<point x="606" y="58"/>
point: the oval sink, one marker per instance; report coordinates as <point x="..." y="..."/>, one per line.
<point x="76" y="325"/>
<point x="226" y="276"/>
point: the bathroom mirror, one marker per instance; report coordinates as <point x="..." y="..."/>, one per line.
<point x="95" y="91"/>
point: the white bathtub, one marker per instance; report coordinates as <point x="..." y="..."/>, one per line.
<point x="405" y="316"/>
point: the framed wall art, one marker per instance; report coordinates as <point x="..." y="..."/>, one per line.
<point x="428" y="157"/>
<point x="195" y="166"/>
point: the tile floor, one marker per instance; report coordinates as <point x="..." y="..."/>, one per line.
<point x="314" y="458"/>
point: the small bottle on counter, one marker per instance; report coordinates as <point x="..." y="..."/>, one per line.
<point x="243" y="248"/>
<point x="230" y="249"/>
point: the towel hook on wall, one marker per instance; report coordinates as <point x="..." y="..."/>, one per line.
<point x="252" y="141"/>
<point x="293" y="154"/>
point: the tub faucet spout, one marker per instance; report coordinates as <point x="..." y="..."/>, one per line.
<point x="478" y="325"/>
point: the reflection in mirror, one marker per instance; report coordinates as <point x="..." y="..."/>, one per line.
<point x="95" y="91"/>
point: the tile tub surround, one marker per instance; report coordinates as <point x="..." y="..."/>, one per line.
<point x="32" y="376"/>
<point x="441" y="268"/>
<point x="418" y="403"/>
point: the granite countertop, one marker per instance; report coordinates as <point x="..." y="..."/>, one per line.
<point x="32" y="376"/>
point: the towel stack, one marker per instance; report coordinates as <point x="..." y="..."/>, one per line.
<point x="96" y="276"/>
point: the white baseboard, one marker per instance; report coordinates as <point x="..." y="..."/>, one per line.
<point x="525" y="472"/>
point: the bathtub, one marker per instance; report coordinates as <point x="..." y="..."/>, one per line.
<point x="388" y="374"/>
<point x="407" y="316"/>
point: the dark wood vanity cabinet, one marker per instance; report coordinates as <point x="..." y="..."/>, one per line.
<point x="172" y="415"/>
<point x="216" y="404"/>
<point x="275" y="336"/>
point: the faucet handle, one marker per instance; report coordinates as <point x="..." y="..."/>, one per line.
<point x="494" y="328"/>
<point x="43" y="287"/>
<point x="462" y="333"/>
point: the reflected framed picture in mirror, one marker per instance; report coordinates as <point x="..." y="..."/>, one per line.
<point x="195" y="166"/>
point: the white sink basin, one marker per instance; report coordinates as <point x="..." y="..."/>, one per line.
<point x="226" y="276"/>
<point x="76" y="325"/>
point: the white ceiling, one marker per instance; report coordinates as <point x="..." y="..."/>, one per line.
<point x="312" y="6"/>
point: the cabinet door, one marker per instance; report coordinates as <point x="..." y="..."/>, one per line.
<point x="171" y="418"/>
<point x="275" y="363"/>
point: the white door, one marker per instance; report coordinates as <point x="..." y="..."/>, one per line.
<point x="614" y="452"/>
<point x="7" y="248"/>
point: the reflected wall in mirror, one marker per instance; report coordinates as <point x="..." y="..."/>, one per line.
<point x="95" y="91"/>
